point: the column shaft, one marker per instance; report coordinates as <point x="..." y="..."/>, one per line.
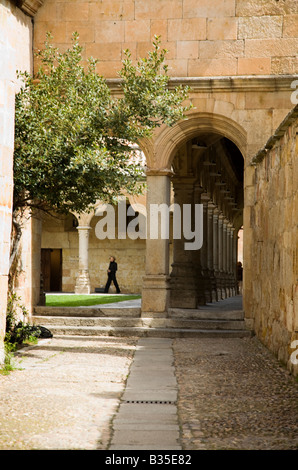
<point x="155" y="292"/>
<point x="215" y="251"/>
<point x="220" y="257"/>
<point x="183" y="276"/>
<point x="210" y="253"/>
<point x="198" y="190"/>
<point x="83" y="280"/>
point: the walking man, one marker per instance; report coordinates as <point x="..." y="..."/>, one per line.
<point x="112" y="275"/>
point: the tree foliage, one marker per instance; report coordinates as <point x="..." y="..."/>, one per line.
<point x="73" y="138"/>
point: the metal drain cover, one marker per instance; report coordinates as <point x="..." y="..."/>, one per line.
<point x="150" y="402"/>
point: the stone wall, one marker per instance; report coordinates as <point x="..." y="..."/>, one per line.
<point x="130" y="256"/>
<point x="27" y="284"/>
<point x="204" y="38"/>
<point x="239" y="56"/>
<point x="273" y="299"/>
<point x="15" y="54"/>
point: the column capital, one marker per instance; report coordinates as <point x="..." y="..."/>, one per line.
<point x="84" y="218"/>
<point x="198" y="188"/>
<point x="159" y="172"/>
<point x="83" y="227"/>
<point x="183" y="181"/>
<point x="205" y="198"/>
<point x="211" y="206"/>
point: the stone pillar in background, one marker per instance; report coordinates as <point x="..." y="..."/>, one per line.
<point x="233" y="260"/>
<point x="228" y="280"/>
<point x="204" y="250"/>
<point x="155" y="292"/>
<point x="198" y="190"/>
<point x="220" y="289"/>
<point x="224" y="257"/>
<point x="215" y="251"/>
<point x="83" y="285"/>
<point x="210" y="252"/>
<point x="183" y="276"/>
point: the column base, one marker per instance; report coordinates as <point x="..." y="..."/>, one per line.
<point x="155" y="296"/>
<point x="83" y="283"/>
<point x="183" y="287"/>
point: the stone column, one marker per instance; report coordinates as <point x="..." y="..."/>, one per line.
<point x="83" y="280"/>
<point x="83" y="285"/>
<point x="233" y="260"/>
<point x="224" y="259"/>
<point x="204" y="250"/>
<point x="228" y="288"/>
<point x="183" y="275"/>
<point x="155" y="292"/>
<point x="198" y="190"/>
<point x="210" y="252"/>
<point x="215" y="251"/>
<point x="220" y="257"/>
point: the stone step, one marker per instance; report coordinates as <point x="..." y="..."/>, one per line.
<point x="135" y="312"/>
<point x="206" y="314"/>
<point x="129" y="322"/>
<point x="147" y="332"/>
<point x="213" y="320"/>
<point x="88" y="311"/>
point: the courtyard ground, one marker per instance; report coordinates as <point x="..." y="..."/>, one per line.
<point x="66" y="391"/>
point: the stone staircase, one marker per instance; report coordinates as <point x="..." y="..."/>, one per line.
<point x="119" y="321"/>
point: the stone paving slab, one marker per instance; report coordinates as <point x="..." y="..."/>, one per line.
<point x="152" y="378"/>
<point x="142" y="436"/>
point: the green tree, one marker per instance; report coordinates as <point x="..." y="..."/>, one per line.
<point x="73" y="138"/>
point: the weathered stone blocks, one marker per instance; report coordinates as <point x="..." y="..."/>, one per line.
<point x="273" y="244"/>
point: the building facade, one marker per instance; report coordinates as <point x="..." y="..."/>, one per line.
<point x="240" y="59"/>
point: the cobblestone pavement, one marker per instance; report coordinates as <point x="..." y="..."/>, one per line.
<point x="233" y="394"/>
<point x="64" y="394"/>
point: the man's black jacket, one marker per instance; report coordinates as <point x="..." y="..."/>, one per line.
<point x="112" y="267"/>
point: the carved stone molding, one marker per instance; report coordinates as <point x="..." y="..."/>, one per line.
<point x="224" y="84"/>
<point x="29" y="7"/>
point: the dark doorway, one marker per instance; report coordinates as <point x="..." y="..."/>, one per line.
<point x="51" y="269"/>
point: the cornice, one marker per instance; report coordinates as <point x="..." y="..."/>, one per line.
<point x="29" y="7"/>
<point x="268" y="83"/>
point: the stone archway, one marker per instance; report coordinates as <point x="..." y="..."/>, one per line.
<point x="161" y="154"/>
<point x="195" y="278"/>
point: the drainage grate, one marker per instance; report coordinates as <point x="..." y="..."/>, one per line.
<point x="150" y="402"/>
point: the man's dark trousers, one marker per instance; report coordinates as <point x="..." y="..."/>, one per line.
<point x="112" y="277"/>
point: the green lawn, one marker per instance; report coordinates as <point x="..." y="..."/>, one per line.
<point x="85" y="300"/>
